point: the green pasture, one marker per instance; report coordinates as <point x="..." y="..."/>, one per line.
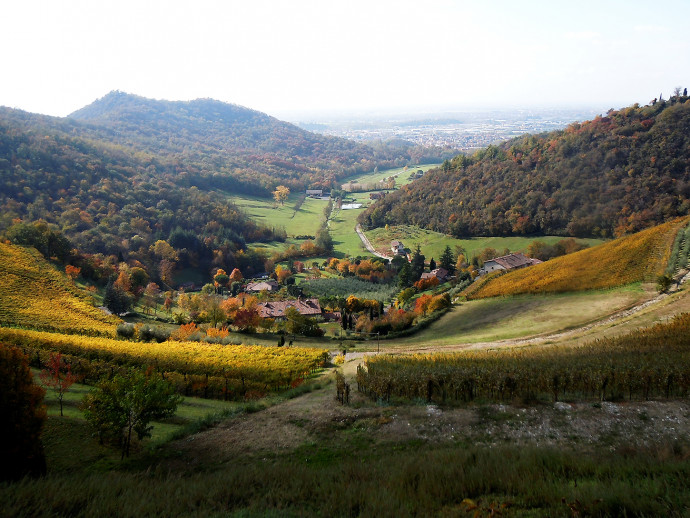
<point x="305" y="221"/>
<point x="433" y="243"/>
<point x="402" y="177"/>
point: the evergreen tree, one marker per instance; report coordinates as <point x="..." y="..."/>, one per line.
<point x="448" y="261"/>
<point x="416" y="265"/>
<point x="432" y="264"/>
<point x="404" y="276"/>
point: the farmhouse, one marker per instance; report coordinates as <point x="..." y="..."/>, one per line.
<point x="508" y="262"/>
<point x="315" y="193"/>
<point x="440" y="273"/>
<point x="277" y="309"/>
<point x="269" y="285"/>
<point x="398" y="248"/>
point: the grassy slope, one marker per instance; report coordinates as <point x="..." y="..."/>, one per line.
<point x="306" y="220"/>
<point x="433" y="243"/>
<point x="504" y="318"/>
<point x="34" y="294"/>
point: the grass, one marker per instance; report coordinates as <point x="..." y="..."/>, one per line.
<point x="433" y="243"/>
<point x="305" y="221"/>
<point x="402" y="177"/>
<point x="504" y="318"/>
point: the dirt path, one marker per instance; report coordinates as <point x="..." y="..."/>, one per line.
<point x="367" y="243"/>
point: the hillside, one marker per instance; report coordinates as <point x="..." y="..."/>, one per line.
<point x="33" y="294"/>
<point x="635" y="258"/>
<point x="613" y="175"/>
<point x="125" y="168"/>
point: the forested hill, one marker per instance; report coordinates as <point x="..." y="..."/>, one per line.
<point x="126" y="169"/>
<point x="104" y="197"/>
<point x="613" y="175"/>
<point x="219" y="145"/>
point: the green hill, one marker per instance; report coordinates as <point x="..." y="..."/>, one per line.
<point x="613" y="175"/>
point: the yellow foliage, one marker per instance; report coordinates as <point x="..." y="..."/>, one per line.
<point x="273" y="364"/>
<point x="639" y="257"/>
<point x="34" y="294"/>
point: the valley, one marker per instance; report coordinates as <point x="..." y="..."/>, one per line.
<point x="308" y="376"/>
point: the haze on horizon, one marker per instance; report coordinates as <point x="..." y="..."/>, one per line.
<point x="304" y="57"/>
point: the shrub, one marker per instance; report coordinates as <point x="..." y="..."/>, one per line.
<point x="23" y="413"/>
<point x="125" y="330"/>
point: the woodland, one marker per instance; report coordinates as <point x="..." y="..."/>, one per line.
<point x="616" y="174"/>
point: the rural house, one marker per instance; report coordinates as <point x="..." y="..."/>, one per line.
<point x="316" y="193"/>
<point x="398" y="248"/>
<point x="255" y="287"/>
<point x="277" y="309"/>
<point x="507" y="262"/>
<point x="440" y="273"/>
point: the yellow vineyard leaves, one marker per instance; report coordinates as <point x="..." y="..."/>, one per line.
<point x="626" y="260"/>
<point x="34" y="294"/>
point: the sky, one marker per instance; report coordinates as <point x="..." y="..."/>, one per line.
<point x="294" y="58"/>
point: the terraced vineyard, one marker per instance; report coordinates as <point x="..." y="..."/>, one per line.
<point x="33" y="294"/>
<point x="639" y="257"/>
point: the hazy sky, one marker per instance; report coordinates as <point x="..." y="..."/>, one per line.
<point x="284" y="57"/>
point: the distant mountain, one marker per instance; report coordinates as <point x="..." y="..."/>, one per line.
<point x="610" y="176"/>
<point x="216" y="141"/>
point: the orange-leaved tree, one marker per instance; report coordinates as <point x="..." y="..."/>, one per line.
<point x="58" y="376"/>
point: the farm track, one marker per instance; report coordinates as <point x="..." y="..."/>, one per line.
<point x="367" y="243"/>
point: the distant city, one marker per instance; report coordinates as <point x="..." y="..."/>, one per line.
<point x="460" y="130"/>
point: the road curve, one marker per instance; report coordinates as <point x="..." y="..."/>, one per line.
<point x="367" y="244"/>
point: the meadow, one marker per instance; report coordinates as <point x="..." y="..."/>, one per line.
<point x="433" y="243"/>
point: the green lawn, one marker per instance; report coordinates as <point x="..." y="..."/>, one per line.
<point x="305" y="221"/>
<point x="433" y="243"/>
<point x="402" y="177"/>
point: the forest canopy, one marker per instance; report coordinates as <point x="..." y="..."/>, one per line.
<point x="617" y="174"/>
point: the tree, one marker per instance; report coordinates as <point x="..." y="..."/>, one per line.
<point x="404" y="276"/>
<point x="57" y="378"/>
<point x="23" y="414"/>
<point x="323" y="240"/>
<point x="116" y="299"/>
<point x="236" y="275"/>
<point x="447" y="260"/>
<point x="151" y="295"/>
<point x="124" y="405"/>
<point x="281" y="193"/>
<point x="432" y="264"/>
<point x="220" y="280"/>
<point x="72" y="272"/>
<point x="416" y="264"/>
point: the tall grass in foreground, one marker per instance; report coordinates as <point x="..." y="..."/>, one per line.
<point x="648" y="363"/>
<point x="417" y="481"/>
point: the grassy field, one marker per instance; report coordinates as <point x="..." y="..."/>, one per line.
<point x="402" y="176"/>
<point x="342" y="228"/>
<point x="305" y="221"/>
<point x="505" y="318"/>
<point x="433" y="243"/>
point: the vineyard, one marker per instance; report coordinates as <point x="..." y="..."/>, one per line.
<point x="639" y="257"/>
<point x="206" y="370"/>
<point x="33" y="294"/>
<point x="648" y="363"/>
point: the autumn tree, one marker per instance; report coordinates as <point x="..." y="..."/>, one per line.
<point x="58" y="376"/>
<point x="220" y="280"/>
<point x="280" y="194"/>
<point x="23" y="414"/>
<point x="72" y="272"/>
<point x="236" y="275"/>
<point x="125" y="405"/>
